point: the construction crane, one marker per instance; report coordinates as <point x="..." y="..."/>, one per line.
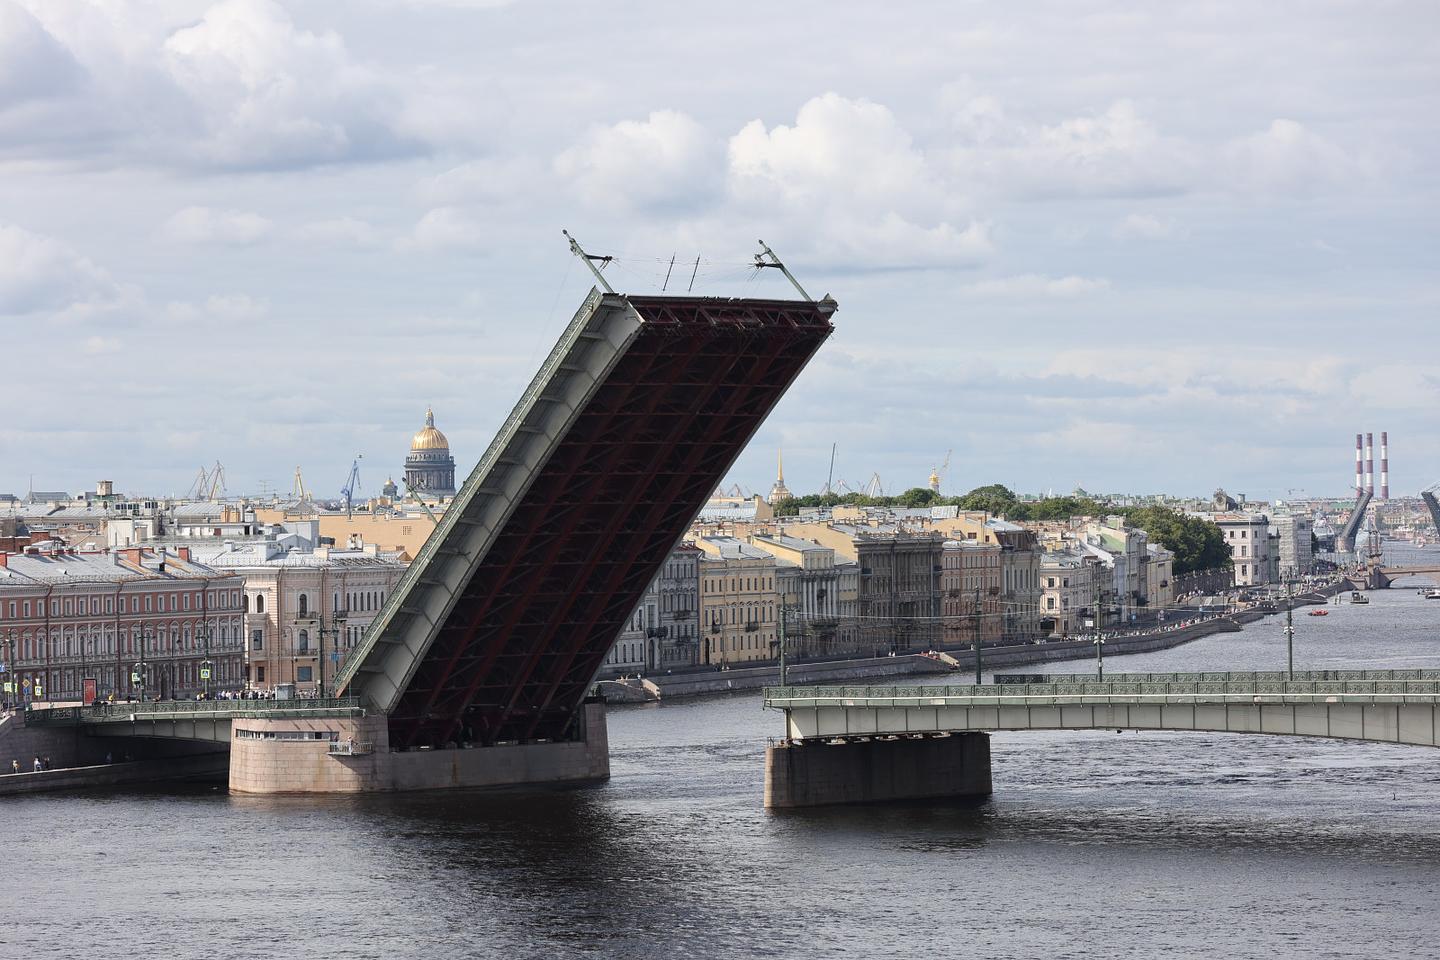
<point x="298" y="490"/>
<point x="208" y="484"/>
<point x="831" y="475"/>
<point x="875" y="488"/>
<point x="352" y="483"/>
<point x="217" y="481"/>
<point x="199" y="485"/>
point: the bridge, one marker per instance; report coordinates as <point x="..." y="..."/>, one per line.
<point x="918" y="741"/>
<point x="1380" y="578"/>
<point x="477" y="669"/>
<point x="187" y="720"/>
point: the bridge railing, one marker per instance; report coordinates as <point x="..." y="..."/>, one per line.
<point x="191" y="710"/>
<point x="1124" y="689"/>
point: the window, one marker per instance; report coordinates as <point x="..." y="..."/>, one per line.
<point x="259" y="674"/>
<point x="304" y="605"/>
<point x="305" y="674"/>
<point x="257" y="641"/>
<point x="259" y="603"/>
<point x="304" y="641"/>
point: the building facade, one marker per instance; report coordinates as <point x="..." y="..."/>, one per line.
<point x="663" y="632"/>
<point x="135" y="623"/>
<point x="970" y="587"/>
<point x="1295" y="534"/>
<point x="820" y="612"/>
<point x="305" y="607"/>
<point x="739" y="603"/>
<point x="1072" y="582"/>
<point x="1248" y="537"/>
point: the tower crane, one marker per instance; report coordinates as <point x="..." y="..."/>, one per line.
<point x="352" y="483"/>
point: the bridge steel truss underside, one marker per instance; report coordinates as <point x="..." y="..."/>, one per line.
<point x="499" y="626"/>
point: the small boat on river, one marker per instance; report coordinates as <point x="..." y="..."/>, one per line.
<point x="1358" y="597"/>
<point x="1320" y="613"/>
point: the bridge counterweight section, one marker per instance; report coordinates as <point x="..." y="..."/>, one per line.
<point x="497" y="631"/>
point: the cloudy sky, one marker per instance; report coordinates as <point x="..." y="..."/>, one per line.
<point x="1135" y="247"/>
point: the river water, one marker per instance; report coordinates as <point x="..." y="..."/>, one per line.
<point x="1094" y="844"/>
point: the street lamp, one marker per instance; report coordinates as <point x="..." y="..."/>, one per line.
<point x="204" y="638"/>
<point x="11" y="684"/>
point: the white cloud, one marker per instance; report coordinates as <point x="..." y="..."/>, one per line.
<point x="241" y="87"/>
<point x="848" y="180"/>
<point x="41" y="275"/>
<point x="1033" y="285"/>
<point x="1289" y="158"/>
<point x="340" y="232"/>
<point x="99" y="346"/>
<point x="664" y="161"/>
<point x="1144" y="226"/>
<point x="1116" y="152"/>
<point x="441" y="229"/>
<point x="208" y="225"/>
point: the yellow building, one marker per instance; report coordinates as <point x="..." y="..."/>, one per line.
<point x="739" y="603"/>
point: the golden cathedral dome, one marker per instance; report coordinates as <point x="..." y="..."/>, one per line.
<point x="429" y="438"/>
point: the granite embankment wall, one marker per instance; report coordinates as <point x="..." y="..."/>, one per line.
<point x="209" y="766"/>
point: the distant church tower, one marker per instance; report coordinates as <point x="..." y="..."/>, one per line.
<point x="429" y="469"/>
<point x="779" y="491"/>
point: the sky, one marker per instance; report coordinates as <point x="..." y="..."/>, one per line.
<point x="1126" y="247"/>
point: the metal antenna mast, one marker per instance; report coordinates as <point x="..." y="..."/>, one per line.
<point x="589" y="259"/>
<point x="776" y="264"/>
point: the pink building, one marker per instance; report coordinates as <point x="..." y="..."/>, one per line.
<point x="127" y="620"/>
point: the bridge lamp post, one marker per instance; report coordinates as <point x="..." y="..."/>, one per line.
<point x="1289" y="630"/>
<point x="10" y="678"/>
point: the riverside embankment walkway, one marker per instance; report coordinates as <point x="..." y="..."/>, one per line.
<point x="709" y="682"/>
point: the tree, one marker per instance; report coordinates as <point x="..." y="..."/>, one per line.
<point x="1196" y="543"/>
<point x="918" y="497"/>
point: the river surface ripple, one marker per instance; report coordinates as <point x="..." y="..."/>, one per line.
<point x="1094" y="844"/>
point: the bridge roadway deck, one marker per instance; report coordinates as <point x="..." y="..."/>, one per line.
<point x="187" y="720"/>
<point x="1388" y="706"/>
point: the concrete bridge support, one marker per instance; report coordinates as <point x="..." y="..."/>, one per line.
<point x="819" y="773"/>
<point x="353" y="755"/>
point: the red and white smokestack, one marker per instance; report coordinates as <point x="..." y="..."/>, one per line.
<point x="1384" y="465"/>
<point x="1359" y="465"/>
<point x="1370" y="463"/>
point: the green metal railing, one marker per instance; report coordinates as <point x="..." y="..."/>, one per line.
<point x="194" y="710"/>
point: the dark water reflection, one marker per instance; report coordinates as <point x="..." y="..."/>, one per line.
<point x="1095" y="843"/>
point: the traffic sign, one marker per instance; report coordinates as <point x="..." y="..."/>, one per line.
<point x="25" y="683"/>
<point x="134" y="678"/>
<point x="204" y="673"/>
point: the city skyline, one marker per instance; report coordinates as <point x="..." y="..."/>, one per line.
<point x="1125" y="251"/>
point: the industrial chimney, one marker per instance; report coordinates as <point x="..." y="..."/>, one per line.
<point x="1359" y="465"/>
<point x="1384" y="465"/>
<point x="1370" y="463"/>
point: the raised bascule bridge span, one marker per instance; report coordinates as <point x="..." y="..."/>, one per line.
<point x="476" y="671"/>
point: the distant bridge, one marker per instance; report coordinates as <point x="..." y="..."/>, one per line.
<point x="1380" y="578"/>
<point x="858" y="744"/>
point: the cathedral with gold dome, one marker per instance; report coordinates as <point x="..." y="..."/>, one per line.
<point x="429" y="469"/>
